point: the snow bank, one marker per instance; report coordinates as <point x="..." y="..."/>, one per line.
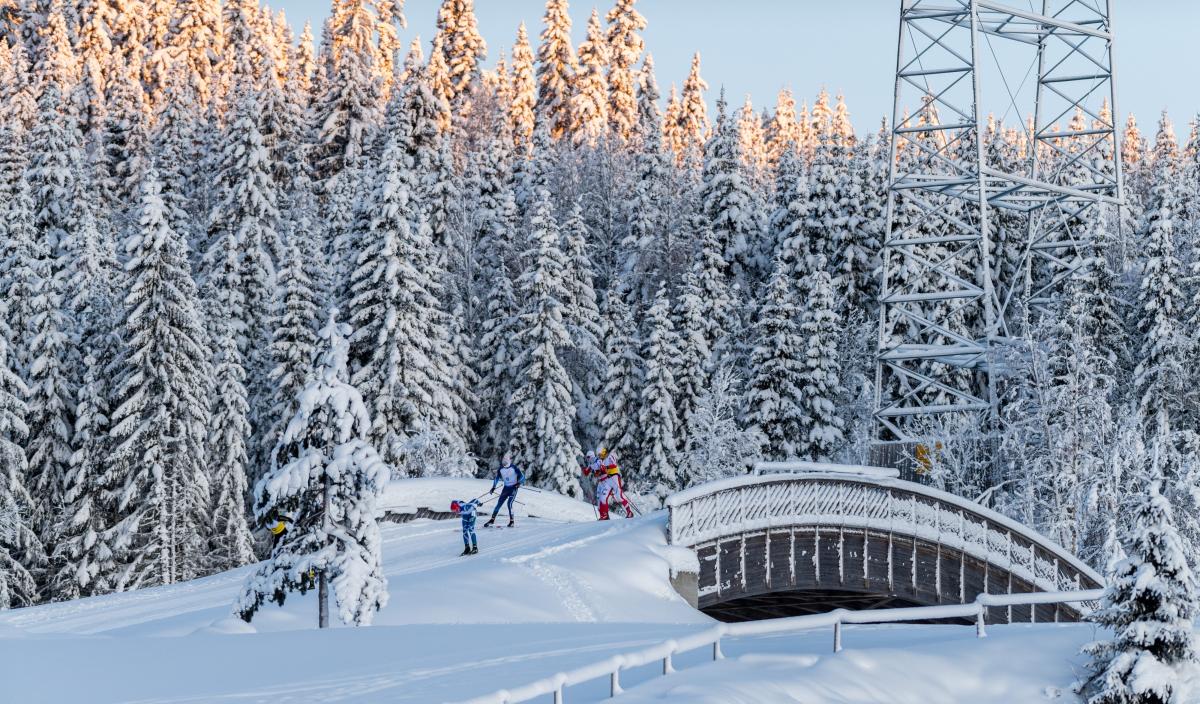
<point x="898" y="665"/>
<point x="409" y="496"/>
<point x="542" y="597"/>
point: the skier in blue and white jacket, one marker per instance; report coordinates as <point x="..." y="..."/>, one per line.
<point x="466" y="511"/>
<point x="513" y="477"/>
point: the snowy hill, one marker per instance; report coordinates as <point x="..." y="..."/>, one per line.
<point x="552" y="594"/>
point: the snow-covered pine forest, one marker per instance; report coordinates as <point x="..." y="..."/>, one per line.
<point x="536" y="251"/>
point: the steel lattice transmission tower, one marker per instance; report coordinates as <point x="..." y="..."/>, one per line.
<point x="977" y="239"/>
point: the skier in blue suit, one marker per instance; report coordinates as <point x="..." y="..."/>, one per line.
<point x="513" y="477"/>
<point x="466" y="511"/>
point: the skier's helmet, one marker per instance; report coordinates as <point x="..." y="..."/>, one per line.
<point x="591" y="454"/>
<point x="604" y="453"/>
<point x="454" y="506"/>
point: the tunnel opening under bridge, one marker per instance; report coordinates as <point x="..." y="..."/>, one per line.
<point x="804" y="602"/>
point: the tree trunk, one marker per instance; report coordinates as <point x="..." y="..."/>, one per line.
<point x="323" y="579"/>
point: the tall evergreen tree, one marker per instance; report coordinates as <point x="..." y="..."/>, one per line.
<point x="728" y="201"/>
<point x="324" y="482"/>
<point x="691" y="367"/>
<point x="159" y="427"/>
<point x="776" y="395"/>
<point x="621" y="397"/>
<point x="228" y="460"/>
<point x="556" y="70"/>
<point x="398" y="355"/>
<point x="21" y="551"/>
<point x="821" y="427"/>
<point x="524" y="90"/>
<point x="543" y="434"/>
<point x="624" y="50"/>
<point x="658" y="455"/>
<point x="462" y="46"/>
<point x="589" y="100"/>
<point x="1149" y="604"/>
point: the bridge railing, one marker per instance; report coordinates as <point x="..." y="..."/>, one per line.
<point x="719" y="509"/>
<point x="711" y="638"/>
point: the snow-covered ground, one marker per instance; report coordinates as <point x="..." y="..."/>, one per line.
<point x="555" y="593"/>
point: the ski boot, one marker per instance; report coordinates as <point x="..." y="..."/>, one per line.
<point x="490" y="522"/>
<point x="511" y="523"/>
<point x="466" y="551"/>
<point x="474" y="549"/>
<point x="628" y="512"/>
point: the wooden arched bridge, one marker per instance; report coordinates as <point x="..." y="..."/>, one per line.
<point x="831" y="537"/>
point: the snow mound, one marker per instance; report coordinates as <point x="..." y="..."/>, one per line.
<point x="409" y="496"/>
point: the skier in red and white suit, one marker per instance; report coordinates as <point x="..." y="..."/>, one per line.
<point x="610" y="485"/>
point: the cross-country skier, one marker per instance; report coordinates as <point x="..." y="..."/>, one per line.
<point x="466" y="511"/>
<point x="513" y="477"/>
<point x="610" y="486"/>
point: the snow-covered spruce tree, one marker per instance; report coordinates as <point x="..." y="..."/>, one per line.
<point x="556" y="70"/>
<point x="52" y="172"/>
<point x="174" y="146"/>
<point x="524" y="92"/>
<point x="345" y="109"/>
<point x="324" y="482"/>
<point x="497" y="363"/>
<point x="784" y="129"/>
<point x="658" y="455"/>
<point x="589" y="101"/>
<point x="293" y="340"/>
<point x="1159" y="379"/>
<point x="775" y="403"/>
<point x="624" y="50"/>
<point x="828" y="208"/>
<point x="227" y="455"/>
<point x="728" y="200"/>
<point x="720" y="300"/>
<point x="82" y="562"/>
<point x="156" y="469"/>
<point x="691" y="121"/>
<point x="50" y="413"/>
<point x="462" y="46"/>
<point x="581" y="316"/>
<point x="21" y="551"/>
<point x="195" y="37"/>
<point x="1150" y="604"/>
<point x="621" y="398"/>
<point x="646" y="251"/>
<point x="789" y="240"/>
<point x="123" y="146"/>
<point x="691" y="366"/>
<point x="543" y="416"/>
<point x="856" y="246"/>
<point x="394" y="308"/>
<point x="718" y="446"/>
<point x="239" y="272"/>
<point x="19" y="255"/>
<point x="821" y="428"/>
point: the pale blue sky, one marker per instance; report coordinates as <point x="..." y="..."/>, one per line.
<point x="759" y="46"/>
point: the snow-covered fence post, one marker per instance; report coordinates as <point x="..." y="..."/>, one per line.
<point x="614" y="682"/>
<point x="668" y="666"/>
<point x="980" y="625"/>
<point x="717" y="654"/>
<point x="837" y="635"/>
